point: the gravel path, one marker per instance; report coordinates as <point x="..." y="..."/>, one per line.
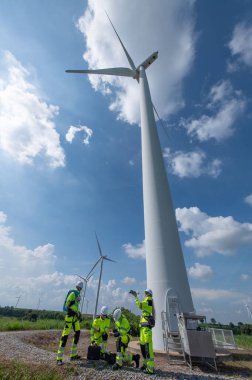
<point x="12" y="346"/>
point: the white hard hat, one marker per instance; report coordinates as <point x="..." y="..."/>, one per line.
<point x="79" y="285"/>
<point x="117" y="314"/>
<point x="104" y="310"/>
<point x="149" y="291"/>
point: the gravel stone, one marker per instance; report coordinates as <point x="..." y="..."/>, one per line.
<point x="13" y="347"/>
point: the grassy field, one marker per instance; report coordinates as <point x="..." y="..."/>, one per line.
<point x="244" y="341"/>
<point x="10" y="370"/>
<point x="15" y="324"/>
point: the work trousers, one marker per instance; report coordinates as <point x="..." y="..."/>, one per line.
<point x="147" y="348"/>
<point x="70" y="323"/>
<point x="122" y="355"/>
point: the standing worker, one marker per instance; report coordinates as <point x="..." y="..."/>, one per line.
<point x="121" y="332"/>
<point x="99" y="330"/>
<point x="72" y="321"/>
<point x="147" y="322"/>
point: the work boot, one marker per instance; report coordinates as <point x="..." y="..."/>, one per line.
<point x="75" y="357"/>
<point x="136" y="359"/>
<point x="115" y="367"/>
<point x="148" y="371"/>
<point x="59" y="362"/>
<point x="143" y="367"/>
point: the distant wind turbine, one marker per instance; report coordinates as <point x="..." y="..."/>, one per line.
<point x="248" y="310"/>
<point x="18" y="299"/>
<point x="101" y="259"/>
<point x="165" y="266"/>
<point x="85" y="279"/>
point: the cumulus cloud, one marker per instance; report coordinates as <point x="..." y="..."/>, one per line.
<point x="208" y="235"/>
<point x="26" y="121"/>
<point x="73" y="130"/>
<point x="224" y="107"/>
<point x="191" y="164"/>
<point x="141" y="36"/>
<point x="129" y="280"/>
<point x="24" y="269"/>
<point x="241" y="43"/>
<point x="248" y="199"/>
<point x="135" y="251"/>
<point x="215" y="294"/>
<point x="200" y="271"/>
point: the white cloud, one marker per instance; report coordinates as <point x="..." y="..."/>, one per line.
<point x="214" y="294"/>
<point x="26" y="121"/>
<point x="244" y="277"/>
<point x="135" y="251"/>
<point x="225" y="107"/>
<point x="142" y="37"/>
<point x="210" y="235"/>
<point x="241" y="43"/>
<point x="200" y="271"/>
<point x="191" y="164"/>
<point x="248" y="199"/>
<point x="73" y="130"/>
<point x="129" y="280"/>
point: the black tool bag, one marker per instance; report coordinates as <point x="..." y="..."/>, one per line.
<point x="93" y="353"/>
<point x="110" y="358"/>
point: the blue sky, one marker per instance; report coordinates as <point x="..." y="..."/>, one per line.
<point x="71" y="156"/>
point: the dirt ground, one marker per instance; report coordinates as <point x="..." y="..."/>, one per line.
<point x="237" y="364"/>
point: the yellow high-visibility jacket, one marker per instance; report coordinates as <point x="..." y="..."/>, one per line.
<point x="122" y="326"/>
<point x="99" y="326"/>
<point x="72" y="302"/>
<point x="147" y="309"/>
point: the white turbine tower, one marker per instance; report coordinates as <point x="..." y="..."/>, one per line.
<point x="165" y="266"/>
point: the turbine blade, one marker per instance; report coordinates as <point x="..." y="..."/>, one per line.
<point x="148" y="61"/>
<point x="90" y="272"/>
<point x="106" y="258"/>
<point x="118" y="71"/>
<point x="99" y="247"/>
<point x="132" y="65"/>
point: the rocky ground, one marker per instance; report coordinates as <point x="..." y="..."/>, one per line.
<point x="40" y="347"/>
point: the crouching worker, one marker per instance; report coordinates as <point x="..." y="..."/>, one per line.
<point x="121" y="332"/>
<point x="72" y="321"/>
<point x="99" y="330"/>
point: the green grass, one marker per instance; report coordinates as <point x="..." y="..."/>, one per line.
<point x="14" y="324"/>
<point x="244" y="341"/>
<point x="23" y="371"/>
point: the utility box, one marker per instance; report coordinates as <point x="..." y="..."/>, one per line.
<point x="197" y="343"/>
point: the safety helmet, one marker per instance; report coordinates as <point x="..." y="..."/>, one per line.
<point x="79" y="285"/>
<point x="104" y="310"/>
<point x="117" y="314"/>
<point x="148" y="291"/>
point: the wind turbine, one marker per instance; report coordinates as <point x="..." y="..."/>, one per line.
<point x="85" y="279"/>
<point x="101" y="259"/>
<point x="18" y="299"/>
<point x="165" y="266"/>
<point x="248" y="310"/>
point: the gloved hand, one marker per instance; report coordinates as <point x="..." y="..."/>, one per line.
<point x="133" y="292"/>
<point x="104" y="336"/>
<point x="116" y="333"/>
<point x="79" y="316"/>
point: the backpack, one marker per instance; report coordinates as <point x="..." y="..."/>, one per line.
<point x="70" y="291"/>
